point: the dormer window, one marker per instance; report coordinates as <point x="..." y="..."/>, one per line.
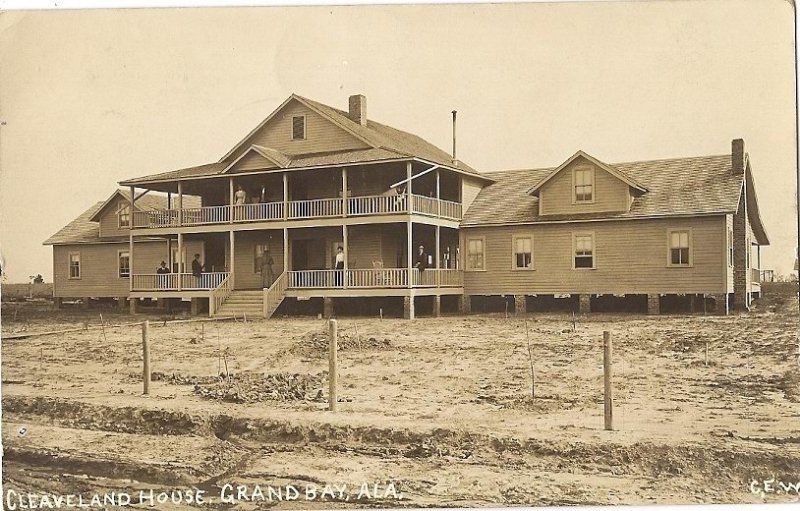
<point x="583" y="179"/>
<point x="298" y="127"/>
<point x="124" y="216"/>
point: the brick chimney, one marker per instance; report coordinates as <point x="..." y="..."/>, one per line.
<point x="737" y="155"/>
<point x="358" y="109"/>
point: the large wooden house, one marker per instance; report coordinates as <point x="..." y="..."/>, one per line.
<point x="317" y="205"/>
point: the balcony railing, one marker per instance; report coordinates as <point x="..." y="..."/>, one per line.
<point x="382" y="278"/>
<point x="298" y="209"/>
<point x="177" y="281"/>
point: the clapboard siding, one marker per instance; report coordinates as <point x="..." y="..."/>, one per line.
<point x="470" y="188"/>
<point x="99" y="270"/>
<point x="610" y="194"/>
<point x="253" y="161"/>
<point x="246" y="274"/>
<point x="321" y="134"/>
<point x="631" y="257"/>
<point x="109" y="223"/>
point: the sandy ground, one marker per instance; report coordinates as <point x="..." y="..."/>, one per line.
<point x="431" y="412"/>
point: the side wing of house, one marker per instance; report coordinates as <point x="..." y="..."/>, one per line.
<point x="620" y="257"/>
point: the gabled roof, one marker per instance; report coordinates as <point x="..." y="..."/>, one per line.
<point x="143" y="203"/>
<point x="275" y="157"/>
<point x="676" y="187"/>
<point x="86" y="227"/>
<point x="753" y="213"/>
<point x="619" y="174"/>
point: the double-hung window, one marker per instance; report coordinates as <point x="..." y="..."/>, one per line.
<point x="75" y="265"/>
<point x="124" y="264"/>
<point x="583" y="250"/>
<point x="523" y="252"/>
<point x="583" y="178"/>
<point x="475" y="254"/>
<point x="680" y="248"/>
<point x="124" y="216"/>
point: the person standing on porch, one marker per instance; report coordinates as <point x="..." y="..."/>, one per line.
<point x="422" y="259"/>
<point x="240" y="197"/>
<point x="197" y="269"/>
<point x="446" y="258"/>
<point x="267" y="274"/>
<point x="339" y="266"/>
<point x="161" y="271"/>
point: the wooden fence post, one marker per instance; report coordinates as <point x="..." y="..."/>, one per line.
<point x="608" y="403"/>
<point x="333" y="347"/>
<point x="146" y="357"/>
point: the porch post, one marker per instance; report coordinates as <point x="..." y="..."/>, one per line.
<point x="230" y="199"/>
<point x="169" y="200"/>
<point x="285" y="249"/>
<point x="285" y="198"/>
<point x="410" y="254"/>
<point x="180" y="260"/>
<point x="233" y="259"/>
<point x="344" y="198"/>
<point x="130" y="242"/>
<point x="438" y="255"/>
<point x="180" y="207"/>
<point x="438" y="196"/>
<point x="345" y="249"/>
<point x="408" y="188"/>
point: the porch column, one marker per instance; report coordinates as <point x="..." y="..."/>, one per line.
<point x="285" y="249"/>
<point x="410" y="254"/>
<point x="408" y="185"/>
<point x="345" y="250"/>
<point x="285" y="197"/>
<point x="180" y="260"/>
<point x="344" y="198"/>
<point x="180" y="205"/>
<point x="233" y="259"/>
<point x="438" y="195"/>
<point x="438" y="256"/>
<point x="130" y="242"/>
<point x="169" y="200"/>
<point x="230" y="199"/>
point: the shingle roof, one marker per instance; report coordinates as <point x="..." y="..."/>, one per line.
<point x="679" y="186"/>
<point x="386" y="142"/>
<point x="86" y="230"/>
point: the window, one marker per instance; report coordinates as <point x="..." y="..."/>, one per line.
<point x="75" y="265"/>
<point x="523" y="252"/>
<point x="584" y="184"/>
<point x="679" y="252"/>
<point x="475" y="254"/>
<point x="298" y="127"/>
<point x="124" y="216"/>
<point x="124" y="265"/>
<point x="584" y="251"/>
<point x="730" y="247"/>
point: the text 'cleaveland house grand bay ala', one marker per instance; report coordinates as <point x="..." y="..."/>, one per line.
<point x="321" y="210"/>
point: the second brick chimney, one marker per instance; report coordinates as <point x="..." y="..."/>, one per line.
<point x="358" y="109"/>
<point x="737" y="155"/>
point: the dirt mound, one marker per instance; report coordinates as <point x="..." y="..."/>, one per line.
<point x="256" y="388"/>
<point x="316" y="344"/>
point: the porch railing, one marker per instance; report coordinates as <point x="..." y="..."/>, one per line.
<point x="373" y="278"/>
<point x="274" y="295"/>
<point x="177" y="281"/>
<point x="257" y="212"/>
<point x="299" y="209"/>
<point x="315" y="208"/>
<point x="219" y="295"/>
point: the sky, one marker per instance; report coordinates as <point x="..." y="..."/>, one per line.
<point x="89" y="98"/>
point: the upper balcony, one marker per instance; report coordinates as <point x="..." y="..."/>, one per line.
<point x="299" y="210"/>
